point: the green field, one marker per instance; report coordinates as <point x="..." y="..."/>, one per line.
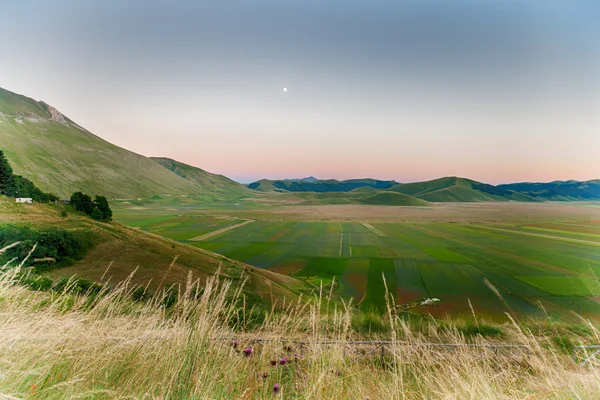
<point x="528" y="265"/>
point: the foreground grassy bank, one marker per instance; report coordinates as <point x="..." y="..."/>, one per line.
<point x="65" y="345"/>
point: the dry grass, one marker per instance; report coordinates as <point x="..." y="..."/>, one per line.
<point x="76" y="346"/>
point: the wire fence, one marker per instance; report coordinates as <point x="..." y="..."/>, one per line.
<point x="586" y="355"/>
<point x="388" y="351"/>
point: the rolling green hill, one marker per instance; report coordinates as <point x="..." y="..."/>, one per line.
<point x="317" y="185"/>
<point x="454" y="189"/>
<point x="206" y="180"/>
<point x="61" y="157"/>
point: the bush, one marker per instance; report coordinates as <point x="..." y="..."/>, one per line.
<point x="140" y="293"/>
<point x="482" y="329"/>
<point x="41" y="283"/>
<point x="55" y="247"/>
<point x="96" y="214"/>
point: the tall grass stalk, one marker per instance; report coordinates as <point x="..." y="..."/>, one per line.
<point x="64" y="344"/>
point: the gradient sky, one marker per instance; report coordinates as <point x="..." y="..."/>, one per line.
<point x="497" y="91"/>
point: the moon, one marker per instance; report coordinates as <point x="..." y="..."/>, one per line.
<point x="285" y="89"/>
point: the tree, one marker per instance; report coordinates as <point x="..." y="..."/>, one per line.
<point x="7" y="179"/>
<point x="102" y="204"/>
<point x="82" y="202"/>
<point x="96" y="214"/>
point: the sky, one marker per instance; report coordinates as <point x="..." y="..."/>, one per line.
<point x="497" y="91"/>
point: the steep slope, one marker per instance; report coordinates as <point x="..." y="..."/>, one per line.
<point x="206" y="180"/>
<point x="454" y="189"/>
<point x="558" y="190"/>
<point x="319" y="185"/>
<point x="119" y="251"/>
<point x="61" y="157"/>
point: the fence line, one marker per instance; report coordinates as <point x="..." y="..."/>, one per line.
<point x="588" y="357"/>
<point x="515" y="350"/>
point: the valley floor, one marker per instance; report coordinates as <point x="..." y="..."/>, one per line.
<point x="522" y="258"/>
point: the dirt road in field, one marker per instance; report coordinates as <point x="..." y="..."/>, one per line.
<point x="219" y="231"/>
<point x="541" y="235"/>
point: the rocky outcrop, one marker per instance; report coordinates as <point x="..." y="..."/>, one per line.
<point x="55" y="115"/>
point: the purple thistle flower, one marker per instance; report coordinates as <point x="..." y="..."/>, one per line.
<point x="248" y="352"/>
<point x="282" y="361"/>
<point x="276" y="388"/>
<point x="265" y="375"/>
<point x="235" y="344"/>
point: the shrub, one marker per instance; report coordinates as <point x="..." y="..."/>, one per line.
<point x="55" y="247"/>
<point x="482" y="329"/>
<point x="41" y="283"/>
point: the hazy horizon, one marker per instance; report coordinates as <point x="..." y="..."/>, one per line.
<point x="499" y="91"/>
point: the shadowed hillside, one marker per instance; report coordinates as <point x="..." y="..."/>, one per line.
<point x="558" y="190"/>
<point x="317" y="185"/>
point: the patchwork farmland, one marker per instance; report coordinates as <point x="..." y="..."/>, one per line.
<point x="500" y="268"/>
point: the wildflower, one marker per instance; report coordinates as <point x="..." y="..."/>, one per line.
<point x="276" y="388"/>
<point x="265" y="375"/>
<point x="248" y="352"/>
<point x="282" y="361"/>
<point x="235" y="344"/>
<point x="273" y="362"/>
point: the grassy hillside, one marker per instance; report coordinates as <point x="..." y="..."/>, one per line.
<point x="127" y="250"/>
<point x="215" y="183"/>
<point x="454" y="189"/>
<point x="317" y="185"/>
<point x="61" y="157"/>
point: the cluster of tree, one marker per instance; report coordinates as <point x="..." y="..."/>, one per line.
<point x="98" y="208"/>
<point x="12" y="185"/>
<point x="55" y="247"/>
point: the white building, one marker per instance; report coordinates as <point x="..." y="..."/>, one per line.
<point x="24" y="200"/>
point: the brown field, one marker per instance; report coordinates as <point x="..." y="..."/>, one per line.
<point x="437" y="212"/>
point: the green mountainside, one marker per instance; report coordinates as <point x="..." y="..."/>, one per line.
<point x="61" y="157"/>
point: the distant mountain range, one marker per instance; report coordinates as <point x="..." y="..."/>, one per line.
<point x="448" y="189"/>
<point x="313" y="184"/>
<point x="61" y="157"/>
